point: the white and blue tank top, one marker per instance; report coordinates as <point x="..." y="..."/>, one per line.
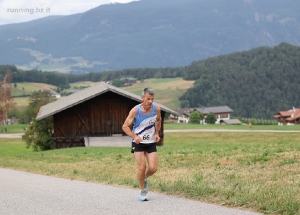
<point x="144" y="125"/>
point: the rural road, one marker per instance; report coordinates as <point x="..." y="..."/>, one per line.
<point x="23" y="193"/>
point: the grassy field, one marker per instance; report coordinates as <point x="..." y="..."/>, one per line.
<point x="167" y="90"/>
<point x="174" y="126"/>
<point x="21" y="102"/>
<point x="82" y="84"/>
<point x="28" y="87"/>
<point x="258" y="171"/>
<point x="14" y="129"/>
<point x="19" y="128"/>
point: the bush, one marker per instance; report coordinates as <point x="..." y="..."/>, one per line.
<point x="210" y="118"/>
<point x="38" y="136"/>
<point x="195" y="117"/>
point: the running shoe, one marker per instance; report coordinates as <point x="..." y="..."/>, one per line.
<point x="142" y="196"/>
<point x="146" y="185"/>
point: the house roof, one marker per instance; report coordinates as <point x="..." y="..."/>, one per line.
<point x="289" y="115"/>
<point x="87" y="94"/>
<point x="295" y="115"/>
<point x="219" y="109"/>
<point x="285" y="113"/>
<point x="185" y="111"/>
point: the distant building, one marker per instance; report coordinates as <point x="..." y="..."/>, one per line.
<point x="288" y="117"/>
<point x="184" y="114"/>
<point x="53" y="93"/>
<point x="222" y="114"/>
<point x="128" y="81"/>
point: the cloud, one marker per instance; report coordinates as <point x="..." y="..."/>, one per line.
<point x="26" y="10"/>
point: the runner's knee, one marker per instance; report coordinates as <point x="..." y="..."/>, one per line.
<point x="152" y="170"/>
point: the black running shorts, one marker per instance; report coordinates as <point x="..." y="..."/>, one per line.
<point x="142" y="147"/>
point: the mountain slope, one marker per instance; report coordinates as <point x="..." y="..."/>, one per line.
<point x="152" y="33"/>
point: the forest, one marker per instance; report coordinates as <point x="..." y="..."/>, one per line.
<point x="255" y="83"/>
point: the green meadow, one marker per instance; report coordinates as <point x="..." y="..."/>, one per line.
<point x="28" y="87"/>
<point x="257" y="171"/>
<point x="21" y="92"/>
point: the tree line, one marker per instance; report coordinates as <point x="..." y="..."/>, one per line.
<point x="57" y="79"/>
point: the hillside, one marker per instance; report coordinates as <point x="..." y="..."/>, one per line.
<point x="148" y="33"/>
<point x="257" y="83"/>
<point x="168" y="90"/>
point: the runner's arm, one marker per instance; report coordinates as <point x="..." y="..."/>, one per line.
<point x="128" y="123"/>
<point x="157" y="124"/>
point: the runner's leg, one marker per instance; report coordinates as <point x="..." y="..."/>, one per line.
<point x="152" y="159"/>
<point x="141" y="162"/>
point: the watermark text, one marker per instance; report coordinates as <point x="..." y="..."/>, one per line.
<point x="29" y="10"/>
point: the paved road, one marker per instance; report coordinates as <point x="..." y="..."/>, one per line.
<point x="23" y="193"/>
<point x="11" y="135"/>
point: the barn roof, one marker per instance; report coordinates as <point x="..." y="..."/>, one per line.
<point x="87" y="94"/>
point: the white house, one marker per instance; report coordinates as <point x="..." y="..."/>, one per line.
<point x="222" y="114"/>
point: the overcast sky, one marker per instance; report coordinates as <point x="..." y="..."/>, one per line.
<point x="15" y="11"/>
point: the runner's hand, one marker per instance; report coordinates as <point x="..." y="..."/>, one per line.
<point x="157" y="138"/>
<point x="137" y="139"/>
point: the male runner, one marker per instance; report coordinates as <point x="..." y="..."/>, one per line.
<point x="146" y="121"/>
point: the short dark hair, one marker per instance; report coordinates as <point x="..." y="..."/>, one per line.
<point x="148" y="90"/>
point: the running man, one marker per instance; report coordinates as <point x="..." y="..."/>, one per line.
<point x="146" y="121"/>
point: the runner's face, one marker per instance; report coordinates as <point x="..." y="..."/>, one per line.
<point x="148" y="100"/>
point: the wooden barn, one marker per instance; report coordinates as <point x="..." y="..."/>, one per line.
<point x="97" y="111"/>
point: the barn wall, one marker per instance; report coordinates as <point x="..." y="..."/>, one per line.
<point x="103" y="115"/>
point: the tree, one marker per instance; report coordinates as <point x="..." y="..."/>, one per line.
<point x="118" y="83"/>
<point x="195" y="117"/>
<point x="36" y="100"/>
<point x="210" y="118"/>
<point x="6" y="101"/>
<point x="39" y="134"/>
<point x="185" y="104"/>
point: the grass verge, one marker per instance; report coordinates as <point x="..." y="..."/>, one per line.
<point x="13" y="129"/>
<point x="174" y="126"/>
